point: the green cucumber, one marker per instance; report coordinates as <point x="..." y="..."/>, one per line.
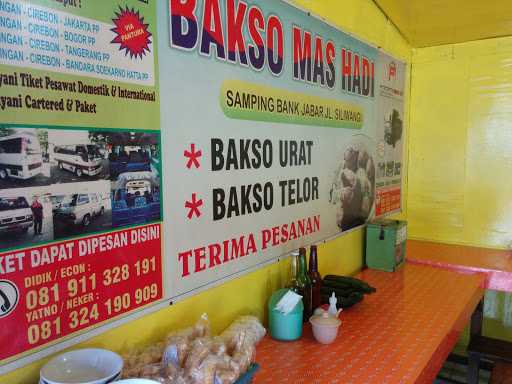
<point x="346" y="281"/>
<point x="344" y="287"/>
<point x="328" y="290"/>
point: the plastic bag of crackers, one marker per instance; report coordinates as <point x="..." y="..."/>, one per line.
<point x="193" y="356"/>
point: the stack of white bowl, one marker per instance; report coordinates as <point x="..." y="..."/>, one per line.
<point x="83" y="366"/>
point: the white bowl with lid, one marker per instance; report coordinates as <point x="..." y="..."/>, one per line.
<point x="325" y="327"/>
<point x="82" y="366"/>
<point x="111" y="380"/>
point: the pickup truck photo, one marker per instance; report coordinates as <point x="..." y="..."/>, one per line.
<point x="15" y="214"/>
<point x="78" y="209"/>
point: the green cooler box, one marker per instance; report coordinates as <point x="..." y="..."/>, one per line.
<point x="385" y="244"/>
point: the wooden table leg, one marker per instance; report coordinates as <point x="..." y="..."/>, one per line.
<point x="475" y="329"/>
<point x="477" y="319"/>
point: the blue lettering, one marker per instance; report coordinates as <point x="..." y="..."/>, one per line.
<point x="8" y="7"/>
<point x="84" y="53"/>
<point x="43" y="30"/>
<point x="49" y="61"/>
<point x="8" y="38"/>
<point x="42" y="15"/>
<point x="8" y="23"/>
<point x="44" y="45"/>
<point x="79" y="66"/>
<point x="10" y="54"/>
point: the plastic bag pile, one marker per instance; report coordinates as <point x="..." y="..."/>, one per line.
<point x="194" y="356"/>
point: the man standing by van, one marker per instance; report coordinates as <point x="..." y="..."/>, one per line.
<point x="37" y="212"/>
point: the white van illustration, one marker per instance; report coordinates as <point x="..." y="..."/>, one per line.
<point x="20" y="156"/>
<point x="15" y="214"/>
<point x="82" y="159"/>
<point x="79" y="209"/>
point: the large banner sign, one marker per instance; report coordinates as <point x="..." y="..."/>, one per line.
<point x="271" y="124"/>
<point x="277" y="131"/>
<point x="80" y="211"/>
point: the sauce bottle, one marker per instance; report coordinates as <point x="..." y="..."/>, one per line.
<point x="305" y="282"/>
<point x="316" y="279"/>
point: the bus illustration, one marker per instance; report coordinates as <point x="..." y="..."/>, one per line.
<point x="21" y="156"/>
<point x="82" y="159"/>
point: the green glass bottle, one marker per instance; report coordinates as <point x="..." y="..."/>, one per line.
<point x="305" y="282"/>
<point x="293" y="282"/>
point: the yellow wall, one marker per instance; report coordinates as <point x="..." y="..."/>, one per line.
<point x="460" y="153"/>
<point x="460" y="144"/>
<point x="249" y="293"/>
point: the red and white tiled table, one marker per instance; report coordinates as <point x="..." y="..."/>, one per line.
<point x="400" y="334"/>
<point x="494" y="263"/>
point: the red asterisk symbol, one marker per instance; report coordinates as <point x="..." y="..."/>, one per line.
<point x="193" y="206"/>
<point x="193" y="156"/>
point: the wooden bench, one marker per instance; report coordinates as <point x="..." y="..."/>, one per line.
<point x="502" y="373"/>
<point x="498" y="351"/>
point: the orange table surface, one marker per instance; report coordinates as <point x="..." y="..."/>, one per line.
<point x="495" y="264"/>
<point x="400" y="334"/>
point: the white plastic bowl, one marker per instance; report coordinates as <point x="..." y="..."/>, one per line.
<point x="111" y="380"/>
<point x="83" y="366"/>
<point x="325" y="328"/>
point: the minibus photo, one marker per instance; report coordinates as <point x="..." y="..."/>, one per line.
<point x="23" y="158"/>
<point x="75" y="157"/>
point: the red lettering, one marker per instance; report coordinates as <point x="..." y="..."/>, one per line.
<point x="330" y="55"/>
<point x="293" y="231"/>
<point x="251" y="246"/>
<point x="212" y="29"/>
<point x="275" y="61"/>
<point x="301" y="227"/>
<point x="265" y="238"/>
<point x="301" y="55"/>
<point x="367" y="79"/>
<point x="319" y="50"/>
<point x="237" y="248"/>
<point x="275" y="236"/>
<point x="256" y="27"/>
<point x="357" y="75"/>
<point x="183" y="257"/>
<point x="316" y="221"/>
<point x="214" y="251"/>
<point x="182" y="14"/>
<point x="330" y="52"/>
<point x="346" y="69"/>
<point x="236" y="40"/>
<point x="200" y="256"/>
<point x="319" y="71"/>
<point x="284" y="233"/>
<point x="309" y="227"/>
<point x="225" y="243"/>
